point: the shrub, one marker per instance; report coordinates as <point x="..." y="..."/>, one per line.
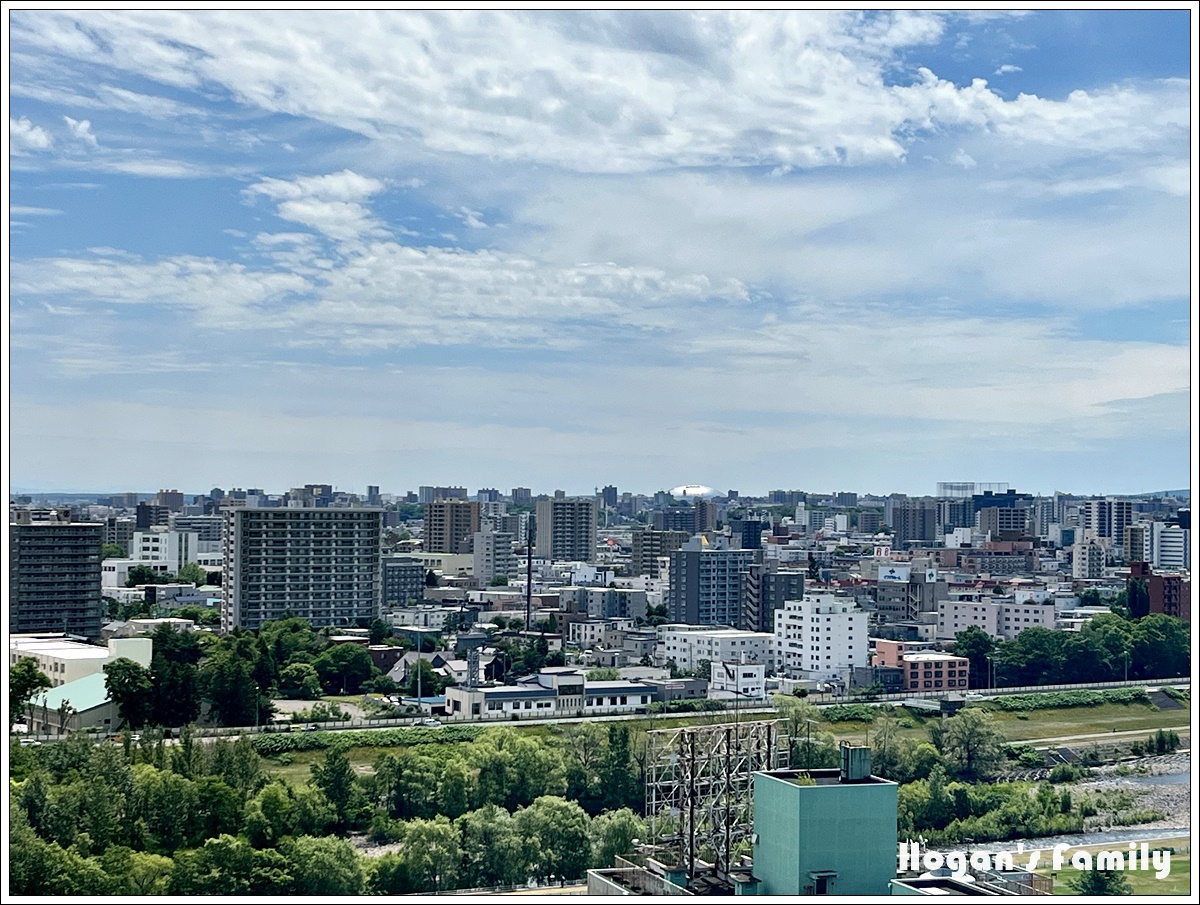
<point x="1077" y="698"/>
<point x="845" y="713"/>
<point x="1066" y="773"/>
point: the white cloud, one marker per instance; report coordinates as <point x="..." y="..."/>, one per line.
<point x="331" y="204"/>
<point x="1007" y="69"/>
<point x="21" y="210"/>
<point x="82" y="131"/>
<point x="24" y="137"/>
<point x="851" y="238"/>
<point x="962" y="159"/>
<point x="597" y="92"/>
<point x="220" y="293"/>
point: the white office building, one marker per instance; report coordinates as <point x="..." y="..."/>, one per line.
<point x="820" y="636"/>
<point x="687" y="645"/>
<point x="1171" y="548"/>
<point x="175" y="548"/>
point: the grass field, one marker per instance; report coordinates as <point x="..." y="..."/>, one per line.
<point x="1144" y="883"/>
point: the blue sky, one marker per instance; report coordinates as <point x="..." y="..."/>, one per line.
<point x="835" y="250"/>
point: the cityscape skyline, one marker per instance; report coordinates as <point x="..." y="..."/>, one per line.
<point x="875" y="250"/>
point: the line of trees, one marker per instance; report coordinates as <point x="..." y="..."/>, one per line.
<point x="193" y="819"/>
<point x="1108" y="648"/>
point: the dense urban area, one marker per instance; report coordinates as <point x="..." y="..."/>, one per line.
<point x="244" y="693"/>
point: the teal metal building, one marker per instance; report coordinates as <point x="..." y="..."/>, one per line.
<point x="824" y="832"/>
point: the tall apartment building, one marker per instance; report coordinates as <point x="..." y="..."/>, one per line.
<point x="870" y="521"/>
<point x="522" y="496"/>
<point x="149" y="515"/>
<point x="1138" y="542"/>
<point x="119" y="531"/>
<point x="320" y="564"/>
<point x="603" y="603"/>
<point x="1003" y="522"/>
<point x="1087" y="560"/>
<point x="566" y="529"/>
<point x="764" y="588"/>
<point x="171" y="499"/>
<point x="1107" y="518"/>
<point x="54" y="576"/>
<point x="706" y="582"/>
<point x="427" y="494"/>
<point x="403" y="580"/>
<point x="649" y="544"/>
<point x="493" y="552"/>
<point x="820" y="636"/>
<point x="450" y="525"/>
<point x="913" y="520"/>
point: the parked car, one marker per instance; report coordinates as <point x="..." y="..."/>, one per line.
<point x="430" y="722"/>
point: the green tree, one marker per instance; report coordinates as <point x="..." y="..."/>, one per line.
<point x="269" y="815"/>
<point x="192" y="573"/>
<point x="500" y="581"/>
<point x="431" y="682"/>
<point x="343" y="668"/>
<point x="1160" y="647"/>
<point x="324" y="866"/>
<point x="1100" y="883"/>
<point x="617" y="777"/>
<point x="380" y="632"/>
<point x="493" y="852"/>
<point x="144" y="575"/>
<point x="25" y="680"/>
<point x="612" y="834"/>
<point x="972" y="745"/>
<point x="131" y="689"/>
<point x="227" y="683"/>
<point x="975" y="644"/>
<point x="557" y="831"/>
<point x="433" y="854"/>
<point x="335" y="777"/>
<point x="299" y="681"/>
<point x="112" y="551"/>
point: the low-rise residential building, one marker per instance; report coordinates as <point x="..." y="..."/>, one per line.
<point x="934" y="671"/>
<point x="1000" y="617"/>
<point x="820" y="636"/>
<point x="738" y="681"/>
<point x="432" y="617"/>
<point x="592" y="632"/>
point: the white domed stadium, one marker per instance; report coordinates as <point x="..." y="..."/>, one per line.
<point x="692" y="491"/>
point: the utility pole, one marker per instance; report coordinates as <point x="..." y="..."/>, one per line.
<point x="529" y="575"/>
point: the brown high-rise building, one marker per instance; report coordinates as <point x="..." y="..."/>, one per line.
<point x="650" y="544"/>
<point x="450" y="525"/>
